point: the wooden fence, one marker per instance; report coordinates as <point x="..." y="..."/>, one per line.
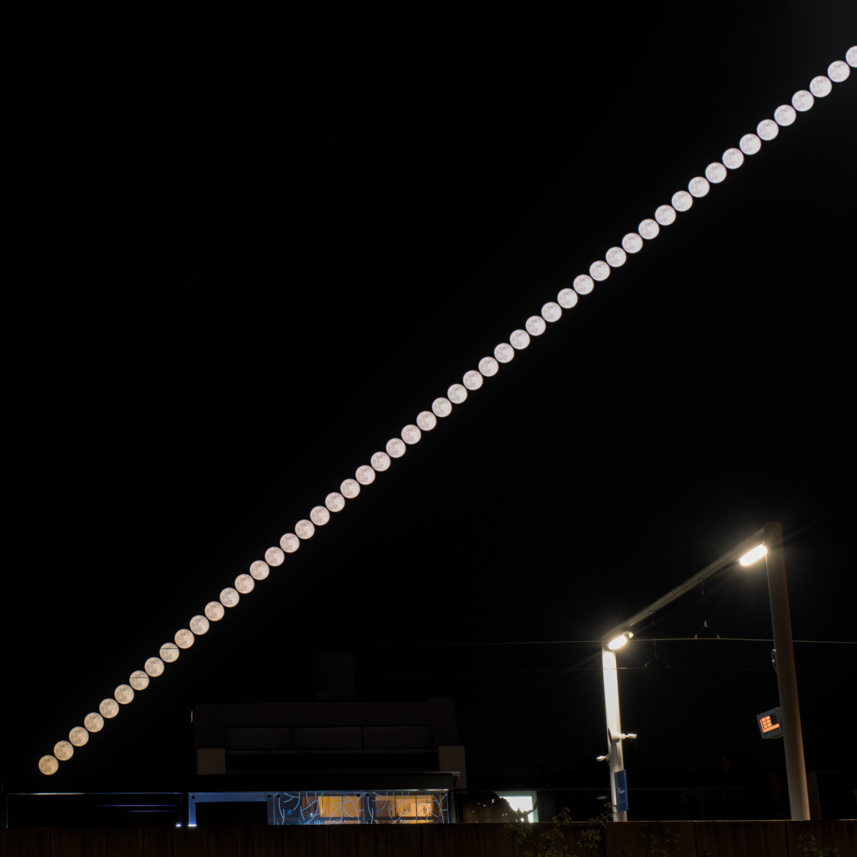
<point x="717" y="838"/>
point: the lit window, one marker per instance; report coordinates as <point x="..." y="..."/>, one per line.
<point x="340" y="808"/>
<point x="405" y="809"/>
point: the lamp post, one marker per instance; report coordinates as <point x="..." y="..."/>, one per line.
<point x="786" y="674"/>
<point x="766" y="542"/>
<point x="615" y="756"/>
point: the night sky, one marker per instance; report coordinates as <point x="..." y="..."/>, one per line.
<point x="252" y="249"/>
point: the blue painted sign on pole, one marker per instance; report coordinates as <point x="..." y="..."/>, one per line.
<point x="621" y="791"/>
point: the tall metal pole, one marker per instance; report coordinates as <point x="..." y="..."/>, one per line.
<point x="615" y="756"/>
<point x="786" y="673"/>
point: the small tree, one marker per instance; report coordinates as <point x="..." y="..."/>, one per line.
<point x="810" y="849"/>
<point x="549" y="840"/>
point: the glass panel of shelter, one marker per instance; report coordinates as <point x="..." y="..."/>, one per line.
<point x="363" y="807"/>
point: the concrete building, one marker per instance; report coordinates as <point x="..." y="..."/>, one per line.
<point x="327" y="762"/>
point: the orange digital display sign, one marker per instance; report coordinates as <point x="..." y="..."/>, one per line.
<point x="769" y="722"/>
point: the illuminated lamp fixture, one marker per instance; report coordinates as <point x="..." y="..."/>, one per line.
<point x="621" y="640"/>
<point x="751" y="556"/>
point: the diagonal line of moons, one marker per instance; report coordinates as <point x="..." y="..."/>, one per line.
<point x="457" y="394"/>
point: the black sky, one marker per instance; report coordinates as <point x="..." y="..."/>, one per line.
<point x="252" y="249"/>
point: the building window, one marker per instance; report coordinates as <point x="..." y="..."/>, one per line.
<point x="405" y="809"/>
<point x="336" y="809"/>
<point x="363" y="807"/>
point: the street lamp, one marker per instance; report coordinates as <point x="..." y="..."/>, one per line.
<point x="767" y="542"/>
<point x="751" y="556"/>
<point x="778" y="594"/>
<point x="618" y="642"/>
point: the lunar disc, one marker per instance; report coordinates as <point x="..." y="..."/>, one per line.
<point x="229" y="597"/>
<point x="260" y="570"/>
<point x="63" y="750"/>
<point x="108" y="708"/>
<point x="123" y="694"/>
<point x="214" y="611"/>
<point x="199" y="625"/>
<point x="48" y="765"/>
<point x="169" y="652"/>
<point x="244" y="583"/>
<point x="93" y="722"/>
<point x="154" y="667"/>
<point x="139" y="680"/>
<point x="78" y="736"/>
<point x="184" y="638"/>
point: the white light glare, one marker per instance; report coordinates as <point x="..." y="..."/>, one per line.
<point x="618" y="642"/>
<point x="521" y="804"/>
<point x="757" y="553"/>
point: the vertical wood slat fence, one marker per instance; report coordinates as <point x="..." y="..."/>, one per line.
<point x="718" y="838"/>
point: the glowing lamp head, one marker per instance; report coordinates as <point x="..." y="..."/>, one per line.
<point x="757" y="553"/>
<point x="618" y="642"/>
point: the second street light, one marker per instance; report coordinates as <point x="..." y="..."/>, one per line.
<point x="766" y="542"/>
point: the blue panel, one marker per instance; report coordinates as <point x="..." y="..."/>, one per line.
<point x="621" y="791"/>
